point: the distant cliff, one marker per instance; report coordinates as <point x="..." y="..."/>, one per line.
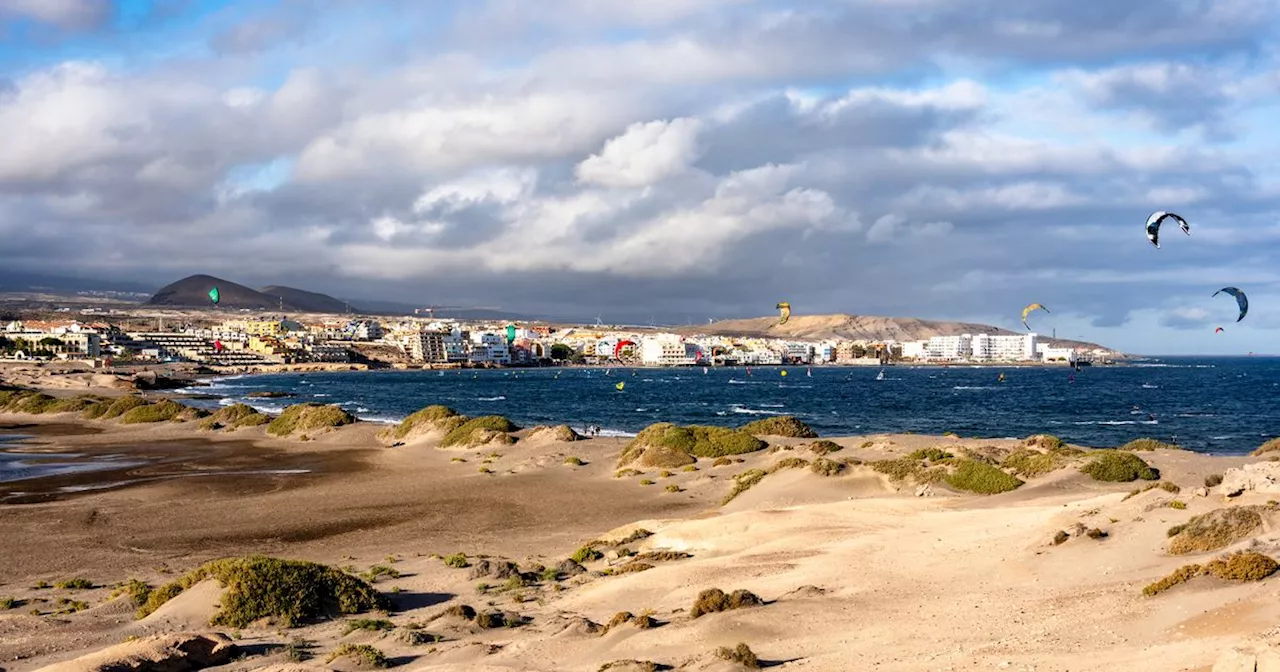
<point x="856" y="327"/>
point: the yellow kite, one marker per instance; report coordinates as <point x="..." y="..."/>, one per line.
<point x="1027" y="311"/>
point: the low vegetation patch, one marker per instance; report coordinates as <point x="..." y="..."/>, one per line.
<point x="429" y="418"/>
<point x="782" y="425"/>
<point x="368" y="624"/>
<point x="574" y="461"/>
<point x="670" y="446"/>
<point x="1215" y="530"/>
<point x="1045" y="441"/>
<point x="1118" y="467"/>
<point x="1270" y="446"/>
<point x="288" y="592"/>
<point x="7" y="603"/>
<point x="1243" y="566"/>
<point x="1212" y="480"/>
<point x="457" y="561"/>
<point x="73" y="404"/>
<point x="715" y="600"/>
<point x="904" y="469"/>
<point x="740" y="654"/>
<point x="789" y="463"/>
<point x="309" y="417"/>
<point x="1144" y="445"/>
<point x="380" y="571"/>
<point x="673" y="488"/>
<point x="74" y="584"/>
<point x="1178" y="504"/>
<point x="630" y="665"/>
<point x="982" y="478"/>
<point x="929" y="455"/>
<point x="1030" y="463"/>
<point x="743" y="482"/>
<point x="1180" y="575"/>
<point x="234" y="416"/>
<point x="587" y="553"/>
<point x="825" y="447"/>
<point x="362" y="655"/>
<point x="161" y="411"/>
<point x="824" y="467"/>
<point x="1166" y="486"/>
<point x="722" y="462"/>
<point x="118" y="407"/>
<point x="481" y="431"/>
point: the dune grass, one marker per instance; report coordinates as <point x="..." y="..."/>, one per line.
<point x="161" y="411"/>
<point x="929" y="455"/>
<point x="1271" y="446"/>
<point x="289" y="592"/>
<point x="1215" y="530"/>
<point x="788" y="463"/>
<point x="1118" y="467"/>
<point x="426" y="418"/>
<point x="1045" y="441"/>
<point x="825" y="447"/>
<point x="740" y="654"/>
<point x="362" y="654"/>
<point x="1147" y="445"/>
<point x="1180" y="575"/>
<point x="234" y="416"/>
<point x="480" y="431"/>
<point x="744" y="482"/>
<point x="824" y="467"/>
<point x="1030" y="463"/>
<point x="671" y="446"/>
<point x="119" y="407"/>
<point x="982" y="478"/>
<point x="782" y="425"/>
<point x="1243" y="566"/>
<point x="308" y="417"/>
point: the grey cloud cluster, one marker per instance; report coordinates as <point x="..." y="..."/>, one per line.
<point x="949" y="159"/>
<point x="68" y="14"/>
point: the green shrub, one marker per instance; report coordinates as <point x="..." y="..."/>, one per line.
<point x="161" y="411"/>
<point x="574" y="461"/>
<point x="74" y="584"/>
<point x="673" y="488"/>
<point x="138" y="591"/>
<point x="824" y="467"/>
<point x="1243" y="566"/>
<point x="309" y="417"/>
<point x="903" y="469"/>
<point x="981" y="478"/>
<point x="367" y="624"/>
<point x="782" y="425"/>
<point x="379" y="571"/>
<point x="671" y="446"/>
<point x="1179" y="575"/>
<point x="7" y="603"/>
<point x="929" y="454"/>
<point x="235" y="416"/>
<point x="287" y="591"/>
<point x="714" y="600"/>
<point x="120" y="406"/>
<point x="689" y="467"/>
<point x="1045" y="441"/>
<point x="362" y="654"/>
<point x="645" y="481"/>
<point x="825" y="447"/>
<point x="479" y="431"/>
<point x="630" y="666"/>
<point x="743" y="482"/>
<point x="457" y="561"/>
<point x="430" y="417"/>
<point x="789" y="463"/>
<point x="1030" y="463"/>
<point x="1216" y="529"/>
<point x="1143" y="445"/>
<point x="1212" y="480"/>
<point x="741" y="654"/>
<point x="722" y="462"/>
<point x="586" y="554"/>
<point x="72" y="404"/>
<point x="1179" y="505"/>
<point x="34" y="403"/>
<point x="1118" y="467"/>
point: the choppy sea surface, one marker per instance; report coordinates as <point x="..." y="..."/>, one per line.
<point x="1217" y="405"/>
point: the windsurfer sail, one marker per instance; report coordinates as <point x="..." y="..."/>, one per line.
<point x="880" y="376"/>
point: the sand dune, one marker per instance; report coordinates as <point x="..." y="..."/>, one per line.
<point x="855" y="570"/>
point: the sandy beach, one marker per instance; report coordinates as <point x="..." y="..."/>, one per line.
<point x="855" y="571"/>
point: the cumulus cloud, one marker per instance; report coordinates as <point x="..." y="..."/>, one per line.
<point x="665" y="158"/>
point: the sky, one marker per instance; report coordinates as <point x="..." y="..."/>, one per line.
<point x="675" y="160"/>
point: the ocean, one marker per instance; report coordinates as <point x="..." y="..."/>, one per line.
<point x="1213" y="405"/>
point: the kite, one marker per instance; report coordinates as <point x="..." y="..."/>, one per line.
<point x="784" y="372"/>
<point x="1241" y="299"/>
<point x="785" y="312"/>
<point x="214" y="296"/>
<point x="1027" y="311"/>
<point x="617" y="349"/>
<point x="619" y="386"/>
<point x="1218" y="330"/>
<point x="1153" y="225"/>
<point x="511" y="334"/>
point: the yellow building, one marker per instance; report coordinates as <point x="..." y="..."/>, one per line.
<point x="266" y="345"/>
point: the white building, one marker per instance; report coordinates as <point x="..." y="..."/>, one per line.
<point x="914" y="349"/>
<point x="367" y="331"/>
<point x="1049" y="353"/>
<point x="949" y="348"/>
<point x="426" y="346"/>
<point x="1003" y="347"/>
<point x="489" y="348"/>
<point x="668" y="352"/>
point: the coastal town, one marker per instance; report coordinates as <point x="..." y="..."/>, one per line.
<point x="411" y="342"/>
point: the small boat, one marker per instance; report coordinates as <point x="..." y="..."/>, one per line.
<point x="880" y="376"/>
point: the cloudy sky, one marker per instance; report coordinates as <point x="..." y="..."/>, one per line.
<point x="680" y="159"/>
